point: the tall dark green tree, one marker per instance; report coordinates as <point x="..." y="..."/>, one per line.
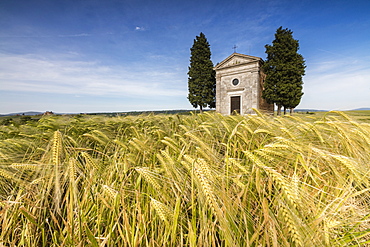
<point x="202" y="77"/>
<point x="284" y="69"/>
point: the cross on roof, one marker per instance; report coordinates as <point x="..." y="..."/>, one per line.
<point x="234" y="47"/>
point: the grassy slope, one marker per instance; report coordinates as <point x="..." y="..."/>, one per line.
<point x="170" y="180"/>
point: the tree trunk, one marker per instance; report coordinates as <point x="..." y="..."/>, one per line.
<point x="284" y="110"/>
<point x="278" y="110"/>
<point x="291" y="111"/>
<point x="201" y="109"/>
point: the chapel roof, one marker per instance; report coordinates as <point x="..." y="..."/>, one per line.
<point x="243" y="59"/>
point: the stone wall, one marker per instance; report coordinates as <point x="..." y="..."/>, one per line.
<point x="247" y="70"/>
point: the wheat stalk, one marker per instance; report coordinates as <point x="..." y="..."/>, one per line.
<point x="112" y="193"/>
<point x="164" y="212"/>
<point x="206" y="187"/>
<point x="170" y="143"/>
<point x="38" y="180"/>
<point x="149" y="176"/>
<point x="138" y="144"/>
<point x="315" y="130"/>
<point x="205" y="149"/>
<point x="277" y="177"/>
<point x="301" y="182"/>
<point x="364" y="135"/>
<point x="72" y="169"/>
<point x="289" y="143"/>
<point x="3" y="156"/>
<point x="188" y="162"/>
<point x="288" y="132"/>
<point x="21" y="166"/>
<point x="89" y="161"/>
<point x="6" y="174"/>
<point x="292" y="229"/>
<point x="348" y="163"/>
<point x="257" y="131"/>
<point x="57" y="147"/>
<point x="205" y="168"/>
<point x="168" y="157"/>
<point x="246" y="127"/>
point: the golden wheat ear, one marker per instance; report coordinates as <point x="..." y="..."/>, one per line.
<point x="21" y="166"/>
<point x="112" y="193"/>
<point x="149" y="177"/>
<point x="291" y="225"/>
<point x="57" y="147"/>
<point x="6" y="174"/>
<point x="90" y="163"/>
<point x="163" y="211"/>
<point x="206" y="187"/>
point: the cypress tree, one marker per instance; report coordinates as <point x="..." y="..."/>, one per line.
<point x="202" y="79"/>
<point x="284" y="69"/>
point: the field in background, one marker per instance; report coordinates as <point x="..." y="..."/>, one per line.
<point x="186" y="180"/>
<point x="362" y="116"/>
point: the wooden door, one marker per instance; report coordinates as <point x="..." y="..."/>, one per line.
<point x="235" y="104"/>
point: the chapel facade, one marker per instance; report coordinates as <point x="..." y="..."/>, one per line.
<point x="239" y="85"/>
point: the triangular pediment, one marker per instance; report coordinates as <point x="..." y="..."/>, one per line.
<point x="236" y="59"/>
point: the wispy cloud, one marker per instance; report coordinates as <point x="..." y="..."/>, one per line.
<point x="37" y="74"/>
<point x="74" y="35"/>
<point x="45" y="35"/>
<point x="137" y="28"/>
<point x="338" y="83"/>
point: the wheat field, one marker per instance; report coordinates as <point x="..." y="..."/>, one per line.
<point x="174" y="180"/>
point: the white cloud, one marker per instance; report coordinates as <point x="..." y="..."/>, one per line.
<point x="137" y="28"/>
<point x="337" y="84"/>
<point x="30" y="73"/>
<point x="46" y="36"/>
<point x="74" y="35"/>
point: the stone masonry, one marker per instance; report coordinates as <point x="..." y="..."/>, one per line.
<point x="239" y="85"/>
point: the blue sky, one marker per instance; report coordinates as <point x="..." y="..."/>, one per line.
<point x="126" y="55"/>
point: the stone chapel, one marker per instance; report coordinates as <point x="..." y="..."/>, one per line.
<point x="239" y="85"/>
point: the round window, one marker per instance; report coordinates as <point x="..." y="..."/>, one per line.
<point x="235" y="82"/>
